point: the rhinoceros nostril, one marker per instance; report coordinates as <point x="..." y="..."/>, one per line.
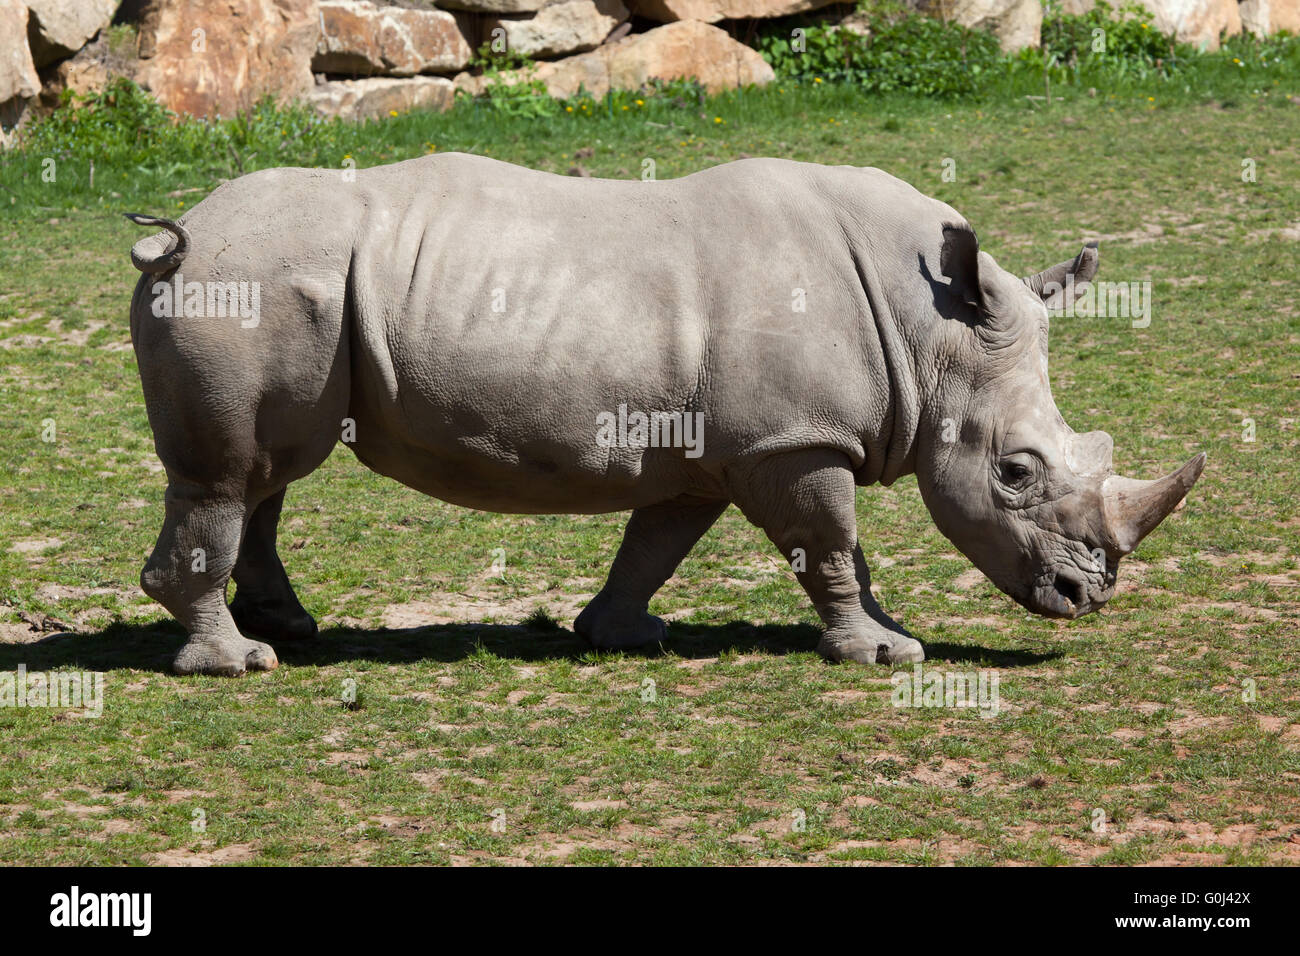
<point x="1073" y="590"/>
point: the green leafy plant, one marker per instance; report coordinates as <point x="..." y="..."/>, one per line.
<point x="1107" y="47"/>
<point x="511" y="84"/>
<point x="122" y="120"/>
<point x="1119" y="42"/>
<point x="905" y="52"/>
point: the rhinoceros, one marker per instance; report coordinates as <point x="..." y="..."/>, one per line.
<point x="766" y="333"/>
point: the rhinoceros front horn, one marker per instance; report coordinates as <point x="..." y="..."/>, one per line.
<point x="1134" y="508"/>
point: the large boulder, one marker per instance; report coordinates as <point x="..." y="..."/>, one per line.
<point x="682" y="50"/>
<point x="1016" y="23"/>
<point x="711" y="11"/>
<point x="217" y="57"/>
<point x="19" y="81"/>
<point x="570" y="26"/>
<point x="379" y="96"/>
<point x="361" y="38"/>
<point x="1266" y="17"/>
<point x="59" y="28"/>
<point x="1198" y="22"/>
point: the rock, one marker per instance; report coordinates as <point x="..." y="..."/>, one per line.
<point x="468" y="83"/>
<point x="93" y="67"/>
<point x="682" y="50"/>
<point x="857" y="22"/>
<point x="589" y="71"/>
<point x="217" y="57"/>
<point x="679" y="50"/>
<point x="59" y="28"/>
<point x="1198" y="22"/>
<point x="379" y="96"/>
<point x="1266" y="17"/>
<point x="1016" y="23"/>
<point x="711" y="11"/>
<point x="18" y="77"/>
<point x="85" y="73"/>
<point x="570" y="26"/>
<point x="361" y="38"/>
<point x="82" y="77"/>
<point x="19" y="81"/>
<point x="562" y="78"/>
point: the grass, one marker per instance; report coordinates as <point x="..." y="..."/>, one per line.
<point x="712" y="750"/>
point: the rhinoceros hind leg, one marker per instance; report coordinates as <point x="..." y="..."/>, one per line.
<point x="187" y="574"/>
<point x="656" y="540"/>
<point x="608" y="627"/>
<point x="265" y="605"/>
<point x="805" y="502"/>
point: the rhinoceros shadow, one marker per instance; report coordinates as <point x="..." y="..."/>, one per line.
<point x="152" y="646"/>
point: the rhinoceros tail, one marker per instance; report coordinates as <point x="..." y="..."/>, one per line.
<point x="159" y="252"/>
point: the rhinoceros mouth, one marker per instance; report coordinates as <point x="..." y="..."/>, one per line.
<point x="1068" y="593"/>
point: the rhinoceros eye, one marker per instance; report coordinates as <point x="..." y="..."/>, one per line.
<point x="1016" y="473"/>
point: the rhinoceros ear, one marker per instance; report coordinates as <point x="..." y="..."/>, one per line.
<point x="970" y="282"/>
<point x="959" y="261"/>
<point x="1065" y="281"/>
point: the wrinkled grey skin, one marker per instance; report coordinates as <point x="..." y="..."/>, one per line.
<point x="377" y="305"/>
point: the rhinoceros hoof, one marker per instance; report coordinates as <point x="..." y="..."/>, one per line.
<point x="226" y="658"/>
<point x="272" y="622"/>
<point x="904" y="650"/>
<point x="610" y="632"/>
<point x="871" y="649"/>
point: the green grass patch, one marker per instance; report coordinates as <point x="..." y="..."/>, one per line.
<point x="1172" y="712"/>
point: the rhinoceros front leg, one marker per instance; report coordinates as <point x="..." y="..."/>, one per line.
<point x="804" y="501"/>
<point x="265" y="605"/>
<point x="656" y="540"/>
<point x="869" y="603"/>
<point x="187" y="574"/>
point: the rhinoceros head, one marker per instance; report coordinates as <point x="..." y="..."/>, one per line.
<point x="1036" y="506"/>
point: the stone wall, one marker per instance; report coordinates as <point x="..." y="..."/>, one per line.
<point x="358" y="58"/>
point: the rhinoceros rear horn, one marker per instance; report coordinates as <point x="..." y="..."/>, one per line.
<point x="1065" y="280"/>
<point x="1133" y="508"/>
